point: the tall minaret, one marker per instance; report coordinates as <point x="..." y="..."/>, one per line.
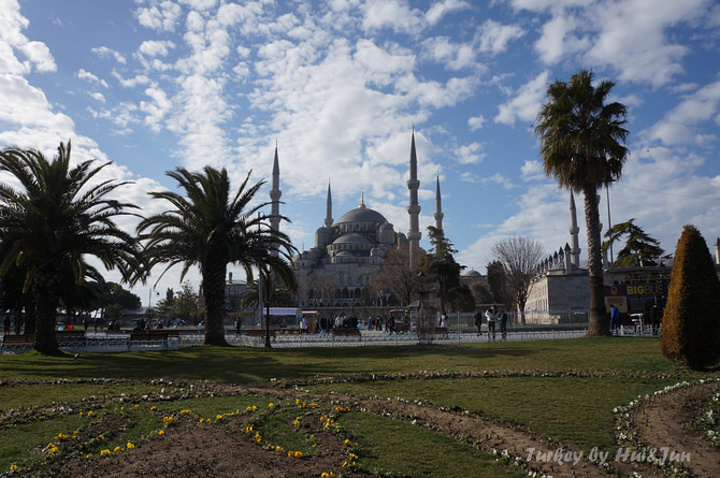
<point x="414" y="208"/>
<point x="328" y="208"/>
<point x="438" y="204"/>
<point x="275" y="194"/>
<point x="574" y="230"/>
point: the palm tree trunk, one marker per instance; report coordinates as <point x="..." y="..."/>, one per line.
<point x="214" y="293"/>
<point x="46" y="292"/>
<point x="598" y="321"/>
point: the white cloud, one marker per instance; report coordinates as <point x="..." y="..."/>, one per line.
<point x="438" y="10"/>
<point x="394" y="14"/>
<point x="632" y="38"/>
<point x="679" y="125"/>
<point x="156" y="109"/>
<point x="90" y="78"/>
<point x="97" y="96"/>
<point x="532" y="170"/>
<point x="558" y="39"/>
<point x="493" y="37"/>
<point x="476" y="122"/>
<point x="105" y="52"/>
<point x="454" y="56"/>
<point x="526" y="103"/>
<point x="163" y="16"/>
<point x="138" y="80"/>
<point x="156" y="48"/>
<point x="38" y="55"/>
<point x="470" y="153"/>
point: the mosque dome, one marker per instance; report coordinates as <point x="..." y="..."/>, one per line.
<point x="362" y="214"/>
<point x="472" y="273"/>
<point x="352" y="238"/>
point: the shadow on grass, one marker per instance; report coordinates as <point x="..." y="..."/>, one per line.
<point x="244" y="365"/>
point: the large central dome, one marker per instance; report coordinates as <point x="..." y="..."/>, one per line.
<point x="361" y="214"/>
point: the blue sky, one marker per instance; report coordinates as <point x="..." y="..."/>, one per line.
<point x="339" y="84"/>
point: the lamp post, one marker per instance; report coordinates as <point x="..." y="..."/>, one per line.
<point x="267" y="325"/>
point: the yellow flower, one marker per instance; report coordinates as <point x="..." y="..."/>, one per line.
<point x="153" y="408"/>
<point x="290" y="453"/>
<point x="270" y="405"/>
<point x="117" y="448"/>
<point x="296" y="422"/>
<point x="130" y="445"/>
<point x="88" y="456"/>
<point x="104" y="452"/>
<point x="298" y="454"/>
<point x="137" y="406"/>
<point x="13" y="467"/>
<point x="218" y="417"/>
<point x="89" y="413"/>
<point x="101" y="438"/>
<point x="347" y="441"/>
<point x="161" y="432"/>
<point x="168" y="420"/>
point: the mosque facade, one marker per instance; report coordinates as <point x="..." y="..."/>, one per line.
<point x="338" y="270"/>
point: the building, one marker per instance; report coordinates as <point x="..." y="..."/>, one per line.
<point x="560" y="292"/>
<point x="338" y="270"/>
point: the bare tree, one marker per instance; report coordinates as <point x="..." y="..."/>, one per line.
<point x="520" y="257"/>
<point x="324" y="286"/>
<point x="396" y="276"/>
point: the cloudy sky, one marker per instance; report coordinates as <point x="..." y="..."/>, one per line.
<point x="339" y="85"/>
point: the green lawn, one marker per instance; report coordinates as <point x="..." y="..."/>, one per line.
<point x="565" y="390"/>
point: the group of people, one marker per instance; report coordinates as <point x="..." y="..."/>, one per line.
<point x="325" y="324"/>
<point x="495" y="317"/>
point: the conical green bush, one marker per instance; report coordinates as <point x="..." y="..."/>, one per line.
<point x="691" y="323"/>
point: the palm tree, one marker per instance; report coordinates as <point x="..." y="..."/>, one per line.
<point x="211" y="229"/>
<point x="53" y="221"/>
<point x="581" y="141"/>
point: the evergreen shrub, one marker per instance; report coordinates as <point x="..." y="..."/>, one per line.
<point x="691" y="323"/>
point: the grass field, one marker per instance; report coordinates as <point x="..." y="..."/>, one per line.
<point x="564" y="390"/>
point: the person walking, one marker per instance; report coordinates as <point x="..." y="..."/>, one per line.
<point x="614" y="320"/>
<point x="491" y="316"/>
<point x="6" y="324"/>
<point x="478" y="321"/>
<point x="502" y="321"/>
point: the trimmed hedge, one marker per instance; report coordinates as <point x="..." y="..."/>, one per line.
<point x="691" y="323"/>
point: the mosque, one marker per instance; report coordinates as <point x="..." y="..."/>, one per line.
<point x="339" y="269"/>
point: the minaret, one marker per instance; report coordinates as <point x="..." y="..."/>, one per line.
<point x="275" y="194"/>
<point x="328" y="208"/>
<point x="438" y="205"/>
<point x="574" y="230"/>
<point x="414" y="208"/>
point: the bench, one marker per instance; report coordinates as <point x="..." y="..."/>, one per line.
<point x="441" y="331"/>
<point x="347" y="333"/>
<point x="162" y="332"/>
<point x="18" y="342"/>
<point x="256" y="332"/>
<point x="69" y="335"/>
<point x="148" y="336"/>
